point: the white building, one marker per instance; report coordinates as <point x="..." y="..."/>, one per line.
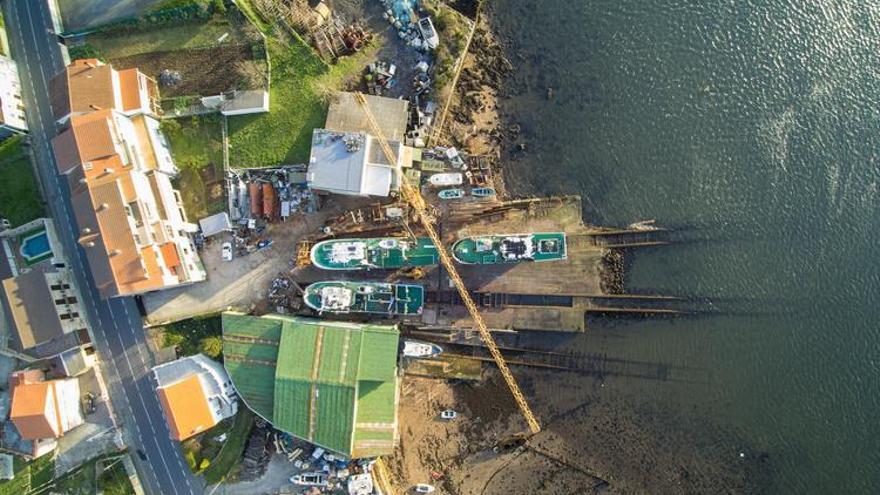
<point x="354" y="164"/>
<point x="12" y="117"/>
<point x="196" y="394"/>
<point x="132" y="225"/>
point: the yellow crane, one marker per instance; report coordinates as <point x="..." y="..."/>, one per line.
<point x="411" y="194"/>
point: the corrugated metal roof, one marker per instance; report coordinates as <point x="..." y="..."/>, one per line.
<point x="324" y="372"/>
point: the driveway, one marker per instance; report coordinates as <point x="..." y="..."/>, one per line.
<point x="239" y="283"/>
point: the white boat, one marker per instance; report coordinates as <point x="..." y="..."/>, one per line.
<point x="416" y="349"/>
<point x="429" y="34"/>
<point x="448" y="179"/>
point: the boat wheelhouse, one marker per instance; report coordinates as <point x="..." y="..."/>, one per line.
<point x="510" y="248"/>
<point x="365" y="297"/>
<point x="381" y="253"/>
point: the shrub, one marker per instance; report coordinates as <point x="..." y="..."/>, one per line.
<point x="211" y="346"/>
<point x="204" y="464"/>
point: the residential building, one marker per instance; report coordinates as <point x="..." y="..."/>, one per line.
<point x="12" y="116"/>
<point x="132" y="225"/>
<point x="41" y="306"/>
<point x="195" y="393"/>
<point x="87" y="85"/>
<point x="333" y="384"/>
<point x="43" y="410"/>
<point x="354" y="164"/>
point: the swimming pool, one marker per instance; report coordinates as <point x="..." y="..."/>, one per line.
<point x="35" y="247"/>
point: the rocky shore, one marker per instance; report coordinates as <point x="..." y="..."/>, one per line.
<point x="599" y="437"/>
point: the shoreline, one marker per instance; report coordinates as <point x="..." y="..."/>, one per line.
<point x="625" y="444"/>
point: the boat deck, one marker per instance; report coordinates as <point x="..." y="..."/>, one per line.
<point x="400" y="300"/>
<point x="547" y="247"/>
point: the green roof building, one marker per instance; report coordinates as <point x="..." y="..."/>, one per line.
<point x="333" y="384"/>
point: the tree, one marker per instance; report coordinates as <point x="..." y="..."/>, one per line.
<point x="211" y="346"/>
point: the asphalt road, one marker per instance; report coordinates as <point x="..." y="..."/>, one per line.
<point x="116" y="324"/>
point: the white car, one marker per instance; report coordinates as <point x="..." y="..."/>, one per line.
<point x="423" y="488"/>
<point x="309" y="479"/>
<point x="448" y="414"/>
<point x="226" y="251"/>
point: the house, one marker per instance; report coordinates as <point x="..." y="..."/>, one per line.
<point x="354" y="164"/>
<point x="43" y="410"/>
<point x="333" y="384"/>
<point x="12" y="117"/>
<point x="195" y="393"/>
<point x="131" y="221"/>
<point x="40" y="307"/>
<point x="87" y="85"/>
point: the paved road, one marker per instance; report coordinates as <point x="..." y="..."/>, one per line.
<point x="116" y="324"/>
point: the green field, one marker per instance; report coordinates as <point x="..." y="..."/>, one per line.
<point x="232" y="448"/>
<point x="198" y="153"/>
<point x="20" y="200"/>
<point x="301" y="85"/>
<point x="29" y="475"/>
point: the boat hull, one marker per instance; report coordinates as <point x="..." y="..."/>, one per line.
<point x="384" y="253"/>
<point x="510" y="248"/>
<point x="342" y="297"/>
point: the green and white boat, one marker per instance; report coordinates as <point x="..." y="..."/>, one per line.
<point x="510" y="248"/>
<point x="341" y="297"/>
<point x="381" y="253"/>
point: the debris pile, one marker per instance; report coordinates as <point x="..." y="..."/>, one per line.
<point x="380" y="77"/>
<point x="256" y="456"/>
<point x="417" y="32"/>
<point x="269" y="194"/>
<point x="285" y="294"/>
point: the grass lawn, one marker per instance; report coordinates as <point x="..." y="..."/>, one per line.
<point x="210" y="55"/>
<point x="198" y="152"/>
<point x="195" y="34"/>
<point x="301" y="84"/>
<point x="28" y="475"/>
<point x="186" y="334"/>
<point x="20" y="200"/>
<point x="223" y="456"/>
<point x="113" y="480"/>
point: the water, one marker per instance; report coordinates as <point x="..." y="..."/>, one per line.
<point x="754" y="129"/>
<point x="36" y="246"/>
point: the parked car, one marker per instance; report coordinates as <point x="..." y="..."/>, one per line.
<point x="310" y="479"/>
<point x="227" y="251"/>
<point x="448" y="414"/>
<point x="423" y="488"/>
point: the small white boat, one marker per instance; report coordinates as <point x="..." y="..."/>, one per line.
<point x="483" y="192"/>
<point x="416" y="349"/>
<point x="449" y="179"/>
<point x="429" y="34"/>
<point x="451" y="193"/>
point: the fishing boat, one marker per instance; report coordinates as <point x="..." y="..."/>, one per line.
<point x="429" y="34"/>
<point x="416" y="349"/>
<point x="451" y="193"/>
<point x="510" y="248"/>
<point x="365" y="297"/>
<point x="483" y="192"/>
<point x="380" y="253"/>
<point x="447" y="179"/>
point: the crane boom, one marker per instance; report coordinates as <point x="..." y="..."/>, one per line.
<point x="412" y="196"/>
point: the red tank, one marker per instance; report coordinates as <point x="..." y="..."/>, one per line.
<point x="268" y="201"/>
<point x="256" y="194"/>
